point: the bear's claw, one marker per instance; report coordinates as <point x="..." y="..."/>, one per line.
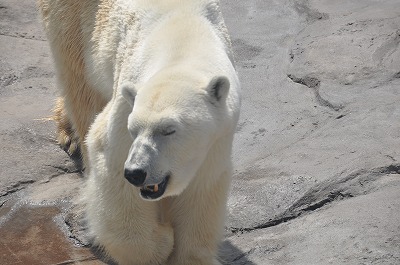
<point x="66" y="135"/>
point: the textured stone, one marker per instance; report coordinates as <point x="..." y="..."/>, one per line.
<point x="317" y="171"/>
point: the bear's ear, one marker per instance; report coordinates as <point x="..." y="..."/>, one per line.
<point x="128" y="92"/>
<point x="218" y="88"/>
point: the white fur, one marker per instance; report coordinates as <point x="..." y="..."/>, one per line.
<point x="165" y="55"/>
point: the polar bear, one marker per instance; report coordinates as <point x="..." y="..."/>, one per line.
<point x="151" y="96"/>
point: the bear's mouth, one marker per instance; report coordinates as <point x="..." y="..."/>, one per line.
<point x="151" y="192"/>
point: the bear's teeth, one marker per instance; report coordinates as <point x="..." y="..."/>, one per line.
<point x="152" y="188"/>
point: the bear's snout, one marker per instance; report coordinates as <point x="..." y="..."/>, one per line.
<point x="135" y="176"/>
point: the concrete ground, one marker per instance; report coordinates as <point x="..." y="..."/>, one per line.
<point x="316" y="154"/>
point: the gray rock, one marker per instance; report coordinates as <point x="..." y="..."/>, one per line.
<point x="27" y="93"/>
<point x="320" y="123"/>
<point x="360" y="230"/>
<point x="316" y="152"/>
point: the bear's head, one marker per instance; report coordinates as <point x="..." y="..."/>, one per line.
<point x="175" y="120"/>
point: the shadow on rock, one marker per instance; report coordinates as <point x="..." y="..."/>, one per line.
<point x="230" y="254"/>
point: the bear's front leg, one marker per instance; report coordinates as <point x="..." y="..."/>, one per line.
<point x="153" y="250"/>
<point x="198" y="216"/>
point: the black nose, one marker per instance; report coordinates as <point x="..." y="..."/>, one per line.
<point x="135" y="176"/>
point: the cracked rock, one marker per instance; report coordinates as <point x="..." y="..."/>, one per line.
<point x="316" y="177"/>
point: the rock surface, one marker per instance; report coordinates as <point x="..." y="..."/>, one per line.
<point x="317" y="171"/>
